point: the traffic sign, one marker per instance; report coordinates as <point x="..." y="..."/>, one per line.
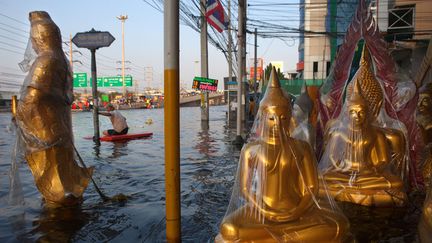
<point x="114" y="81"/>
<point x="117" y="81"/>
<point x="79" y="80"/>
<point x="99" y="82"/>
<point x="93" y="39"/>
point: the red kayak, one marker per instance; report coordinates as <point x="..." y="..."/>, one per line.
<point x="130" y="136"/>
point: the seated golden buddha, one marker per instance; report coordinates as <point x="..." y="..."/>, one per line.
<point x="356" y="163"/>
<point x="275" y="195"/>
<point x="425" y="225"/>
<point x="424" y="120"/>
<point x="43" y="116"/>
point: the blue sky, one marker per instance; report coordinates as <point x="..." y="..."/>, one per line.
<point x="143" y="39"/>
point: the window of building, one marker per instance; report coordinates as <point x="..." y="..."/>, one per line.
<point x="328" y="66"/>
<point x="315" y="67"/>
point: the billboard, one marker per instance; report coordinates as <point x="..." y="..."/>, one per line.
<point x="204" y="84"/>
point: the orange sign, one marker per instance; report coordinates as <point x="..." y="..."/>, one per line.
<point x="259" y="73"/>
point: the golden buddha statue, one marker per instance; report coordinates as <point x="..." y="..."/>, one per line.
<point x="44" y="117"/>
<point x="356" y="163"/>
<point x="424" y="120"/>
<point x="275" y="195"/>
<point x="425" y="225"/>
<point x="301" y="127"/>
<point x="374" y="97"/>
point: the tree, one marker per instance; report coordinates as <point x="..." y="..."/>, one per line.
<point x="267" y="72"/>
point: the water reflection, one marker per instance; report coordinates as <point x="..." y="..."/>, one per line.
<point x="119" y="149"/>
<point x="205" y="143"/>
<point x="211" y="182"/>
<point x="96" y="149"/>
<point x="58" y="224"/>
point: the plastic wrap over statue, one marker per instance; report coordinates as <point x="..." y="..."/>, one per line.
<point x="301" y="127"/>
<point x="275" y="196"/>
<point x="397" y="107"/>
<point x="44" y="117"/>
<point x="363" y="161"/>
<point x="424" y="120"/>
<point x="425" y="225"/>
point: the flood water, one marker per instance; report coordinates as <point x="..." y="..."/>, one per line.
<point x="136" y="168"/>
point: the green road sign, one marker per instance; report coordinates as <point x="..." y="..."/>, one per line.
<point x="79" y="80"/>
<point x="99" y="82"/>
<point x="115" y="81"/>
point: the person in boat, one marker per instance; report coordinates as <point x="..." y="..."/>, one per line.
<point x="118" y="121"/>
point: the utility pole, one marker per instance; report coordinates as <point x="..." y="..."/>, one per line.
<point x="172" y="114"/>
<point x="255" y="66"/>
<point x="241" y="70"/>
<point x="230" y="68"/>
<point x="123" y="18"/>
<point x="70" y="53"/>
<point x="333" y="30"/>
<point x="204" y="62"/>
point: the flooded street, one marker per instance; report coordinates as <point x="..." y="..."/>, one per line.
<point x="136" y="168"/>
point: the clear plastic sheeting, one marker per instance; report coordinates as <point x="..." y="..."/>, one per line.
<point x="16" y="196"/>
<point x="29" y="57"/>
<point x="424" y="121"/>
<point x="301" y="127"/>
<point x="390" y="97"/>
<point x="425" y="225"/>
<point x="43" y="117"/>
<point x="275" y="196"/>
<point x="365" y="156"/>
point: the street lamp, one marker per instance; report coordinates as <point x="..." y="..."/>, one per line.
<point x="123" y="18"/>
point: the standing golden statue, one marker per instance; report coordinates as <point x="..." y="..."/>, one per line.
<point x="275" y="195"/>
<point x="44" y="117"/>
<point x="424" y="120"/>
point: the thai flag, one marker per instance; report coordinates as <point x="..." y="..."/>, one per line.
<point x="216" y="16"/>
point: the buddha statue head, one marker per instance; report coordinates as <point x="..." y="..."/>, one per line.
<point x="275" y="109"/>
<point x="45" y="35"/>
<point x="369" y="86"/>
<point x="303" y="105"/>
<point x="424" y="105"/>
<point x="357" y="107"/>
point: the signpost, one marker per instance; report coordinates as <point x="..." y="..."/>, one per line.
<point x="205" y="84"/>
<point x="94" y="40"/>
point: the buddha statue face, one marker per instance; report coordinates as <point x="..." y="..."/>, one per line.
<point x="276" y="119"/>
<point x="424" y="105"/>
<point x="274" y="112"/>
<point x="357" y="114"/>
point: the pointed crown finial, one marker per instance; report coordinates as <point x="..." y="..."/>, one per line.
<point x="274" y="95"/>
